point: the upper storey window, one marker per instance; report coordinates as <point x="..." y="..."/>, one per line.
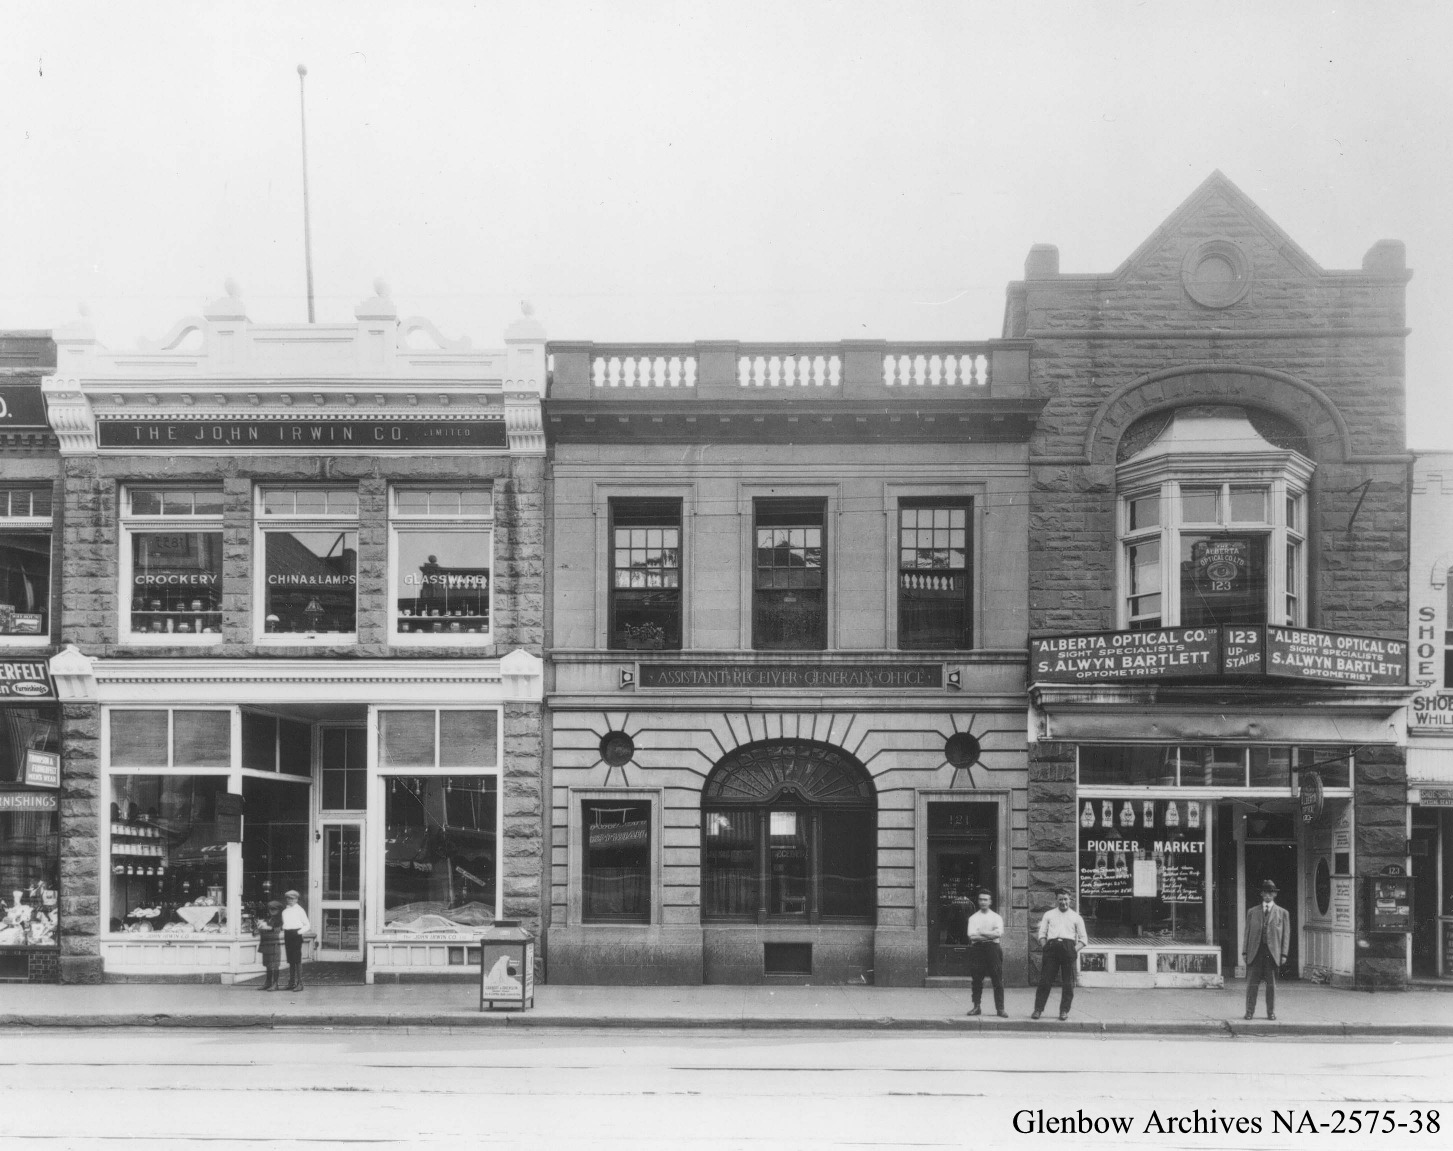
<point x="1212" y="522"/>
<point x="441" y="562"/>
<point x="171" y="564"/>
<point x="25" y="540"/>
<point x="308" y="538"/>
<point x="789" y="575"/>
<point x="645" y="590"/>
<point x="934" y="574"/>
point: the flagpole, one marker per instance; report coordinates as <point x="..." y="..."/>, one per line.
<point x="307" y="222"/>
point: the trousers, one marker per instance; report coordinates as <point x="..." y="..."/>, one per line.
<point x="1057" y="960"/>
<point x="987" y="960"/>
<point x="1261" y="968"/>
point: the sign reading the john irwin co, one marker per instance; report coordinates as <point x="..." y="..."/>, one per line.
<point x="25" y="679"/>
<point x="837" y="676"/>
<point x="1166" y="653"/>
<point x="303" y="434"/>
<point x="1304" y="654"/>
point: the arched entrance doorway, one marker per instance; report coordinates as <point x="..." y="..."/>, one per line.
<point x="789" y="836"/>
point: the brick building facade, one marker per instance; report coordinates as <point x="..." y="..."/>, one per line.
<point x="1218" y="506"/>
<point x="303" y="584"/>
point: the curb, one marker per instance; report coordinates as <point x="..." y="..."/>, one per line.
<point x="1198" y="1028"/>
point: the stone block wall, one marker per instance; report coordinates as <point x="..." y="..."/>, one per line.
<point x="92" y="537"/>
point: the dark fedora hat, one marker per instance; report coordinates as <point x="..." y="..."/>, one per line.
<point x="1268" y="885"/>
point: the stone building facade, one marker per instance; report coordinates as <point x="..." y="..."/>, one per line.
<point x="303" y="586"/>
<point x="787" y="659"/>
<point x="1218" y="535"/>
<point x="1430" y="717"/>
<point x="33" y="903"/>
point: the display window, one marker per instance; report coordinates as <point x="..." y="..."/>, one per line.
<point x="25" y="565"/>
<point x="1274" y="769"/>
<point x="30" y="851"/>
<point x="308" y="540"/>
<point x="210" y="817"/>
<point x="168" y="857"/>
<point x="171" y="564"/>
<point x="1143" y="868"/>
<point x="439" y="780"/>
<point x="617" y="861"/>
<point x="440" y="563"/>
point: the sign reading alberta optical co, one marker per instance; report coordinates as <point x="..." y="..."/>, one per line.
<point x="21" y="408"/>
<point x="25" y="679"/>
<point x="1304" y="654"/>
<point x="363" y="434"/>
<point x="1166" y="653"/>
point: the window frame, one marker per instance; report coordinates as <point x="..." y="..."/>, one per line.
<point x="232" y="774"/>
<point x="458" y="523"/>
<point x="1285" y="475"/>
<point x="613" y="504"/>
<point x="811" y="816"/>
<point x="964" y="502"/>
<point x="266" y="523"/>
<point x="825" y="545"/>
<point x="653" y="851"/>
<point x="375" y="880"/>
<point x="131" y="524"/>
<point x="33" y="525"/>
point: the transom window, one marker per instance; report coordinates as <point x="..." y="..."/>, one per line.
<point x="645" y="591"/>
<point x="171" y="564"/>
<point x="789" y="575"/>
<point x="441" y="562"/>
<point x="309" y="573"/>
<point x="25" y="547"/>
<point x="934" y="574"/>
<point x="1212" y="526"/>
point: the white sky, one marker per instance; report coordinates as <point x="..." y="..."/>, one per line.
<point x="677" y="171"/>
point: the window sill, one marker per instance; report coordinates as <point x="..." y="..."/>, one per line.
<point x="26" y="640"/>
<point x="301" y="639"/>
<point x="171" y="638"/>
<point x="438" y="638"/>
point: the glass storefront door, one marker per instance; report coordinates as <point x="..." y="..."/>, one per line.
<point x="340" y="911"/>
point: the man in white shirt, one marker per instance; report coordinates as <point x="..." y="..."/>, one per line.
<point x="986" y="956"/>
<point x="1062" y="934"/>
<point x="295" y="922"/>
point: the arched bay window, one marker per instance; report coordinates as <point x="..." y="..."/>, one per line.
<point x="789" y="832"/>
<point x="1213" y="519"/>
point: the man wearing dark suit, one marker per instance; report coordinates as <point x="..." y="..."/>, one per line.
<point x="1268" y="933"/>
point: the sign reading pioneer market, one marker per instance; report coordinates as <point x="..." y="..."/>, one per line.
<point x="792" y="675"/>
<point x="1166" y="653"/>
<point x="305" y="435"/>
<point x="1304" y="654"/>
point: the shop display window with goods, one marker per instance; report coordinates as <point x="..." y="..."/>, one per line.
<point x="171" y="574"/>
<point x="440" y="783"/>
<point x="440" y="563"/>
<point x="25" y="564"/>
<point x="308" y="540"/>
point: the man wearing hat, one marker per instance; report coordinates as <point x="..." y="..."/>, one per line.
<point x="1268" y="933"/>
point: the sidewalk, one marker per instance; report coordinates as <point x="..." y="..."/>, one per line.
<point x="1302" y="1009"/>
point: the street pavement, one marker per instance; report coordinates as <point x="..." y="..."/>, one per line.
<point x="164" y="1090"/>
<point x="1302" y="1009"/>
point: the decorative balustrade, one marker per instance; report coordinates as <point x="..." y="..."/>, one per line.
<point x="644" y="366"/>
<point x="860" y="370"/>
